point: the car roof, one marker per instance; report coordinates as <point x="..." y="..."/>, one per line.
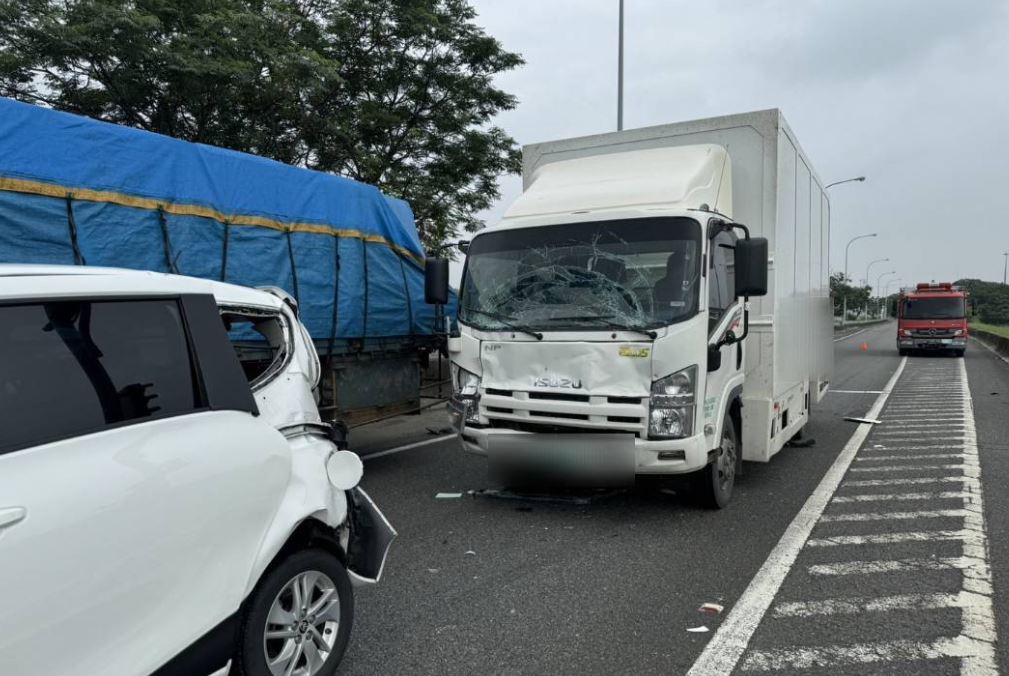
<point x="28" y="281"/>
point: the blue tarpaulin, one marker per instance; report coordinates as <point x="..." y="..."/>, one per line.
<point x="78" y="191"/>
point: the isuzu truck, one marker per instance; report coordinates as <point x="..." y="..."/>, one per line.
<point x="656" y="302"/>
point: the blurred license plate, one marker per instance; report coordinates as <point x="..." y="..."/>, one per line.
<point x="946" y="341"/>
<point x="600" y="458"/>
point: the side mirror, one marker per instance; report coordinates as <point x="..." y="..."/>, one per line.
<point x="714" y="358"/>
<point x="751" y="267"/>
<point x="462" y="245"/>
<point x="436" y="281"/>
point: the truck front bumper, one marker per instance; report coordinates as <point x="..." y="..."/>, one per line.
<point x="668" y="456"/>
<point x="915" y="343"/>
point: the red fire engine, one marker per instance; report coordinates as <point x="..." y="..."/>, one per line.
<point x="932" y="317"/>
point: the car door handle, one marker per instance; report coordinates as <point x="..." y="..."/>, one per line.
<point x="11" y="515"/>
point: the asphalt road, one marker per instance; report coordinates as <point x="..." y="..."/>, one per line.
<point x="486" y="585"/>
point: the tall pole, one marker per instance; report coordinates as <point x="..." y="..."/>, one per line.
<point x="620" y="72"/>
<point x="869" y="267"/>
<point x="1005" y="266"/>
<point x="879" y="288"/>
<point x="844" y="310"/>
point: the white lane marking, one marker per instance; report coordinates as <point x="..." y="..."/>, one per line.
<point x="978" y="620"/>
<point x="892" y="538"/>
<point x="911" y="425"/>
<point x="909" y="456"/>
<point x="890" y="566"/>
<point x="723" y="651"/>
<point x="886" y="497"/>
<point x="788" y="659"/>
<point x="987" y="347"/>
<point x="849" y="335"/>
<point x="854" y="391"/>
<point x="912" y="481"/>
<point x="887" y="516"/>
<point x="854" y="606"/>
<point x="905" y="468"/>
<point x="408" y="447"/>
<point x="883" y="448"/>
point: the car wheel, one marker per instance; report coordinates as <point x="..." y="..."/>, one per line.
<point x="298" y="619"/>
<point x="715" y="482"/>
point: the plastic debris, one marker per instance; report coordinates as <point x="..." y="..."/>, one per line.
<point x="711" y="608"/>
<point x="470" y="552"/>
<point x="698" y="630"/>
<point x="447" y="496"/>
<point x="433" y="570"/>
<point x="870" y="421"/>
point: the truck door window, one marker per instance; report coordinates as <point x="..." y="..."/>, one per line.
<point x="75" y="367"/>
<point x="722" y="279"/>
<point x="261" y="342"/>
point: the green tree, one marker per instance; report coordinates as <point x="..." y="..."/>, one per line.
<point x="840" y="288"/>
<point x="397" y="93"/>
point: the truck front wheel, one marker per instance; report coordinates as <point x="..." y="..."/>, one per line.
<point x="715" y="482"/>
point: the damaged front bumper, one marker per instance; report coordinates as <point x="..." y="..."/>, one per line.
<point x="371" y="535"/>
<point x="666" y="456"/>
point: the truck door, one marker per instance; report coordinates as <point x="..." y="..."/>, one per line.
<point x="724" y="315"/>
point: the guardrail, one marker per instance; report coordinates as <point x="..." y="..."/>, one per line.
<point x="857" y="322"/>
<point x="999" y="343"/>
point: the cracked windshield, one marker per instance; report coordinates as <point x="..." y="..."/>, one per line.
<point x="635" y="274"/>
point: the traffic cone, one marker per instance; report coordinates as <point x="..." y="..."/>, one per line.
<point x="865" y="347"/>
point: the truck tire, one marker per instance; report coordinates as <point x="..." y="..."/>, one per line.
<point x="958" y="353"/>
<point x="713" y="485"/>
<point x="902" y="352"/>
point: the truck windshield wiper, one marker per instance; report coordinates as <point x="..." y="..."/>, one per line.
<point x="506" y="320"/>
<point x="604" y="321"/>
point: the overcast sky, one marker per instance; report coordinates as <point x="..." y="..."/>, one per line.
<point x="914" y="94"/>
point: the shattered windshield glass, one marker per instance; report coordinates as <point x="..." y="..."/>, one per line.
<point x="623" y="274"/>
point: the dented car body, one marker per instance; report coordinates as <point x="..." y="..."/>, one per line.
<point x="180" y="454"/>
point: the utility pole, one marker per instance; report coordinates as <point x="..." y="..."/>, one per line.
<point x="844" y="310"/>
<point x="1005" y="266"/>
<point x="620" y="72"/>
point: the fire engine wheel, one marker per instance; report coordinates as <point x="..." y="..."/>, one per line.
<point x="902" y="352"/>
<point x="959" y="353"/>
<point x="715" y="482"/>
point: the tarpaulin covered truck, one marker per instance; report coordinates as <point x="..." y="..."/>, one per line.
<point x="79" y="191"/>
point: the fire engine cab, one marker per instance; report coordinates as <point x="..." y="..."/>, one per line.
<point x="932" y="316"/>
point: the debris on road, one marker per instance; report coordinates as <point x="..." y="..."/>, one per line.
<point x="447" y="496"/>
<point x="470" y="552"/>
<point x="433" y="570"/>
<point x="870" y="421"/>
<point x="801" y="443"/>
<point x="698" y="630"/>
<point x="711" y="608"/>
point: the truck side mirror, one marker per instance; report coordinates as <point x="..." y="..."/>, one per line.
<point x="714" y="358"/>
<point x="436" y="281"/>
<point x="751" y="267"/>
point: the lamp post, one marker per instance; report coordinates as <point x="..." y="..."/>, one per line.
<point x="620" y="71"/>
<point x="879" y="280"/>
<point x="869" y="267"/>
<point x="844" y="309"/>
<point x="859" y="179"/>
<point x="1005" y="266"/>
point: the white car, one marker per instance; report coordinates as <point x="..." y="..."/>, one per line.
<point x="170" y="500"/>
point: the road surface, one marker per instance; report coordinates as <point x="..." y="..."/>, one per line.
<point x="870" y="552"/>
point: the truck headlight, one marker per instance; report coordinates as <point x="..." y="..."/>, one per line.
<point x="905" y="332"/>
<point x="466" y="393"/>
<point x="671" y="413"/>
<point x="958" y="332"/>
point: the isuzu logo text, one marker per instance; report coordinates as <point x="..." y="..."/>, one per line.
<point x="554" y="381"/>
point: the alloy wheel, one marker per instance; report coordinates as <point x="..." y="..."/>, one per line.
<point x="302" y="624"/>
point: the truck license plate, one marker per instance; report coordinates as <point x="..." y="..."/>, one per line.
<point x="598" y="459"/>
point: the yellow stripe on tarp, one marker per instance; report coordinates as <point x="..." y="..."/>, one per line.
<point x="122" y="199"/>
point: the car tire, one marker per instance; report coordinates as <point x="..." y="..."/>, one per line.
<point x="713" y="485"/>
<point x="301" y="628"/>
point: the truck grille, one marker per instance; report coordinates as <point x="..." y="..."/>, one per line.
<point x="548" y="411"/>
<point x="932" y="333"/>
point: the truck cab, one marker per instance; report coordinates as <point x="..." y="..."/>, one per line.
<point x="932" y="316"/>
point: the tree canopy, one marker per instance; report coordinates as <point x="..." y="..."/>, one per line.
<point x="396" y="93"/>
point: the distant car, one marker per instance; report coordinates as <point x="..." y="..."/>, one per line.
<point x="170" y="500"/>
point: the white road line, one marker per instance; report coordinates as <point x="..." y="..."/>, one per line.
<point x="854" y="391"/>
<point x="408" y="447"/>
<point x="890" y="566"/>
<point x="883" y="448"/>
<point x="896" y="516"/>
<point x="911" y="425"/>
<point x="886" y="497"/>
<point x="911" y="481"/>
<point x="723" y="651"/>
<point x="904" y="468"/>
<point x="863" y="653"/>
<point x="893" y="538"/>
<point x="910" y="456"/>
<point x="854" y="606"/>
<point x="849" y="335"/>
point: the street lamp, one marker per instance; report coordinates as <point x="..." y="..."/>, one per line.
<point x="879" y="280"/>
<point x="891" y="281"/>
<point x="620" y="71"/>
<point x="869" y="267"/>
<point x="1005" y="266"/>
<point x="860" y="179"/>
<point x="844" y="308"/>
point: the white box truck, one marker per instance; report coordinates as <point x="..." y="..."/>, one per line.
<point x="604" y="324"/>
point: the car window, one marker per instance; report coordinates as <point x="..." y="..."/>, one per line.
<point x="722" y="281"/>
<point x="74" y="367"/>
<point x="260" y="341"/>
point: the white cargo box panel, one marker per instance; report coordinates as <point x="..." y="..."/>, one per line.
<point x="778" y="195"/>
